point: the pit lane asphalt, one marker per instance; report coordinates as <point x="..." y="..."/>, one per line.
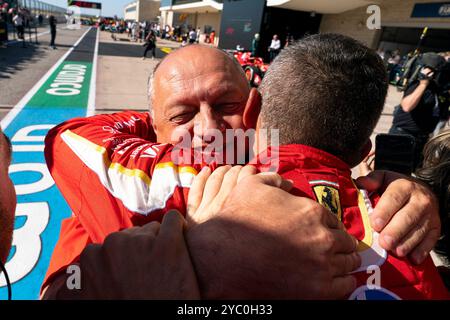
<point x="21" y="68"/>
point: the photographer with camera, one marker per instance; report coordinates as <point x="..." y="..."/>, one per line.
<point x="419" y="111"/>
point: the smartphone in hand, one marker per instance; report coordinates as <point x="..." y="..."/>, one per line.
<point x="395" y="152"/>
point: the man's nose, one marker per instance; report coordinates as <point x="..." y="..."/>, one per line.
<point x="208" y="124"/>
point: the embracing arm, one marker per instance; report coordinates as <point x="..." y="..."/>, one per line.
<point x="102" y="166"/>
<point x="158" y="266"/>
<point x="99" y="147"/>
<point x="406" y="216"/>
<point x="254" y="240"/>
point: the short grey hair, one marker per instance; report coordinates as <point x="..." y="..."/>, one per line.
<point x="151" y="84"/>
<point x="150" y="90"/>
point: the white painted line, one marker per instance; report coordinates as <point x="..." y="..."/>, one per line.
<point x="93" y="86"/>
<point x="28" y="148"/>
<point x="32" y="37"/>
<point x="6" y="121"/>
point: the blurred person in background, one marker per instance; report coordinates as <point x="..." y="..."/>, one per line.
<point x="419" y="111"/>
<point x="255" y="44"/>
<point x="52" y="23"/>
<point x="212" y="37"/>
<point x="3" y="27"/>
<point x="198" y="35"/>
<point x="275" y="47"/>
<point x="19" y="25"/>
<point x="150" y="42"/>
<point x="192" y="36"/>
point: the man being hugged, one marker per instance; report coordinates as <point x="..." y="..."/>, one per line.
<point x="122" y="175"/>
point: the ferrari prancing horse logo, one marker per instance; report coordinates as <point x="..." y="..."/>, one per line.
<point x="329" y="198"/>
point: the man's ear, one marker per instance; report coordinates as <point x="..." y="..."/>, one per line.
<point x="252" y="109"/>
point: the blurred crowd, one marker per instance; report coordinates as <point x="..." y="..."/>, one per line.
<point x="14" y="21"/>
<point x="138" y="31"/>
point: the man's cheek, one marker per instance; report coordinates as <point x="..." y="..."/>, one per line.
<point x="234" y="122"/>
<point x="181" y="134"/>
<point x="8" y="200"/>
<point x="7" y="211"/>
<point x="12" y="198"/>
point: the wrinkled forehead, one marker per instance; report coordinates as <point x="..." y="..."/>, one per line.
<point x="195" y="73"/>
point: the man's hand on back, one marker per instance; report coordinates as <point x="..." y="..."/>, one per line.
<point x="209" y="191"/>
<point x="264" y="243"/>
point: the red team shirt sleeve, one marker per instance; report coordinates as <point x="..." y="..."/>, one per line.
<point x="113" y="175"/>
